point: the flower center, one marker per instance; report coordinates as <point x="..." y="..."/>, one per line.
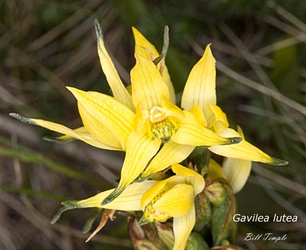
<point x="157" y="115"/>
<point x="161" y="126"/>
<point x="152" y="214"/>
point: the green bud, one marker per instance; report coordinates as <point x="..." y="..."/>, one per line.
<point x="203" y="211"/>
<point x="196" y="242"/>
<point x="165" y="233"/>
<point x="222" y="210"/>
<point x="215" y="192"/>
<point x="145" y="244"/>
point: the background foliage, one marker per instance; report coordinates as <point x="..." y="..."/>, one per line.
<point x="47" y="45"/>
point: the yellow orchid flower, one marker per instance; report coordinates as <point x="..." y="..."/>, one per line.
<point x="159" y="200"/>
<point x="139" y="123"/>
<point x="199" y="97"/>
<point x="174" y="197"/>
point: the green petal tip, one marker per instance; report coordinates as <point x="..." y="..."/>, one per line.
<point x="89" y="222"/>
<point x="279" y="162"/>
<point x="98" y="29"/>
<point x="60" y="139"/>
<point x="112" y="196"/>
<point x="22" y="118"/>
<point x="58" y="214"/>
<point x="232" y="140"/>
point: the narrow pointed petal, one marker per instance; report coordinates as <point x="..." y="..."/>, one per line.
<point x="140" y="150"/>
<point x="145" y="49"/>
<point x="99" y="111"/>
<point x="170" y="153"/>
<point x="237" y="172"/>
<point x="142" y="46"/>
<point x="244" y="151"/>
<point x="191" y="132"/>
<point x="129" y="200"/>
<point x="80" y="133"/>
<point x="200" y="88"/>
<point x="110" y="71"/>
<point x="147" y="84"/>
<point x="182" y="227"/>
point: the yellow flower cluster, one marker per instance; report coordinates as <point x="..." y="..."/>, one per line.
<point x="155" y="133"/>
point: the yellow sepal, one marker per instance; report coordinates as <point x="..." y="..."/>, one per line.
<point x="79" y="133"/>
<point x="191" y="132"/>
<point x="140" y="150"/>
<point x="145" y="49"/>
<point x="244" y="151"/>
<point x="99" y="111"/>
<point x="182" y="227"/>
<point x="169" y="154"/>
<point x="118" y="89"/>
<point x="200" y="88"/>
<point x="147" y="84"/>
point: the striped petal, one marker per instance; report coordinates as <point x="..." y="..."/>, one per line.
<point x="129" y="200"/>
<point x="193" y="178"/>
<point x="80" y="133"/>
<point x="147" y="84"/>
<point x="140" y="150"/>
<point x="145" y="49"/>
<point x="182" y="227"/>
<point x="173" y="203"/>
<point x="169" y="154"/>
<point x="200" y="88"/>
<point x="237" y="172"/>
<point x="104" y="117"/>
<point x="244" y="151"/>
<point x="113" y="79"/>
<point x="191" y="132"/>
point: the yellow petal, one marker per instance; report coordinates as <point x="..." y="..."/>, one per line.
<point x="171" y="109"/>
<point x="153" y="192"/>
<point x="129" y="200"/>
<point x="142" y="46"/>
<point x="182" y="227"/>
<point x="145" y="49"/>
<point x="191" y="132"/>
<point x="99" y="111"/>
<point x="237" y="172"/>
<point x="200" y="88"/>
<point x="216" y="118"/>
<point x="197" y="111"/>
<point x="215" y="171"/>
<point x="244" y="151"/>
<point x="140" y="150"/>
<point x="110" y="71"/>
<point x="169" y="154"/>
<point x="147" y="84"/>
<point x="80" y="133"/>
<point x="173" y="203"/>
<point x="191" y="177"/>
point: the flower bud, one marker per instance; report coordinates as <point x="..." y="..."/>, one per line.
<point x="222" y="210"/>
<point x="196" y="242"/>
<point x="165" y="233"/>
<point x="203" y="211"/>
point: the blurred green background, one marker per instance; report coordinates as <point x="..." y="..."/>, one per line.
<point x="47" y="45"/>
